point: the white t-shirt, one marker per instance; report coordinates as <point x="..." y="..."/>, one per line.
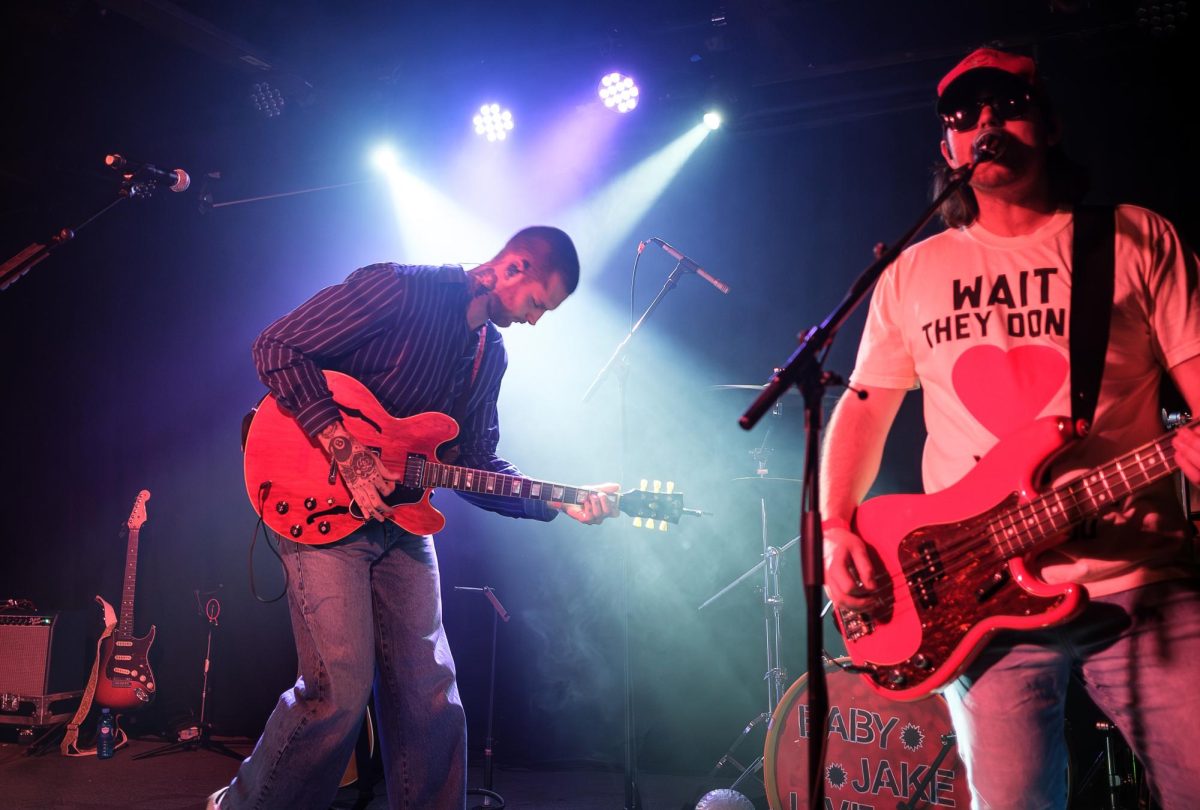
<point x="981" y="322"/>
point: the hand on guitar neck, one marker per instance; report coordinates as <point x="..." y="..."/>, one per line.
<point x="595" y="508"/>
<point x="362" y="471"/>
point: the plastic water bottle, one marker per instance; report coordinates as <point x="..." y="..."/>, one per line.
<point x="106" y="735"/>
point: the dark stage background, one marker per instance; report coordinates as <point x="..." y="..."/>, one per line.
<point x="125" y="360"/>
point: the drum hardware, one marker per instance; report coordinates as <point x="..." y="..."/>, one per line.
<point x="921" y="785"/>
<point x="878" y="751"/>
<point x="1117" y="776"/>
<point x="772" y="600"/>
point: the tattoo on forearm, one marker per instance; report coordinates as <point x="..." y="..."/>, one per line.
<point x="339" y="448"/>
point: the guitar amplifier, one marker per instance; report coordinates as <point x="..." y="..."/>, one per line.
<point x="43" y="665"/>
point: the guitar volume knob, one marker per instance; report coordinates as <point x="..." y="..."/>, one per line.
<point x="323" y="527"/>
<point x="896" y="678"/>
<point x="310" y="503"/>
<point x="281" y="507"/>
<point x="296" y="530"/>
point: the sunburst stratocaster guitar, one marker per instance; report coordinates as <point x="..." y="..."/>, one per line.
<point x="954" y="560"/>
<point x="125" y="681"/>
<point x="296" y="489"/>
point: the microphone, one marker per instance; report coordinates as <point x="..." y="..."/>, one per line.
<point x="175" y="180"/>
<point x="989" y="145"/>
<point x="690" y="265"/>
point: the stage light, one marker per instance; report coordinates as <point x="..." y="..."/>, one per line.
<point x="267" y="100"/>
<point x="712" y="120"/>
<point x="618" y="92"/>
<point x="492" y="122"/>
<point x="383" y="157"/>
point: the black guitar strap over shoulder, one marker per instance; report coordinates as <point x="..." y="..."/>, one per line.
<point x="1092" y="282"/>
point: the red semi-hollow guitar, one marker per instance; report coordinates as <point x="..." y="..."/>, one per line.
<point x="125" y="681"/>
<point x="954" y="559"/>
<point x="298" y="493"/>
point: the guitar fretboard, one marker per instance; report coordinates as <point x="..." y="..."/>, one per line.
<point x="125" y="626"/>
<point x="1024" y="527"/>
<point x="420" y="473"/>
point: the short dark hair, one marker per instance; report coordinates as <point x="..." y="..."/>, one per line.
<point x="551" y="252"/>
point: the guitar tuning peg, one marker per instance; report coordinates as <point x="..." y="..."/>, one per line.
<point x="658" y="486"/>
<point x="670" y="487"/>
<point x="637" y="521"/>
<point x="643" y="485"/>
<point x="650" y="524"/>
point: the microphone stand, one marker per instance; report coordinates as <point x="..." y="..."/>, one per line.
<point x="633" y="800"/>
<point x="486" y="791"/>
<point x="803" y="369"/>
<point x="23" y="262"/>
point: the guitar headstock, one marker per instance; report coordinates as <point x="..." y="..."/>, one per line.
<point x="138" y="515"/>
<point x="650" y="504"/>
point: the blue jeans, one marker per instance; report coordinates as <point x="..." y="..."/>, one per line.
<point x="1137" y="653"/>
<point x="364" y="610"/>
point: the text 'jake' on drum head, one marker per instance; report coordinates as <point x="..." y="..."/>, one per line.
<point x="881" y="752"/>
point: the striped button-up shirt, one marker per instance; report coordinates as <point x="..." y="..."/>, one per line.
<point x="402" y="332"/>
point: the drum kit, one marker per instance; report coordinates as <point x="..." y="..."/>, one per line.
<point x="878" y="752"/>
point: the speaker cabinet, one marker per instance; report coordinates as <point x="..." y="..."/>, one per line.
<point x="43" y="664"/>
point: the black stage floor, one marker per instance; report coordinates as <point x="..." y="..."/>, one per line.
<point x="182" y="780"/>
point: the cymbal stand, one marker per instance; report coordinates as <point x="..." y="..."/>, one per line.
<point x="775" y="676"/>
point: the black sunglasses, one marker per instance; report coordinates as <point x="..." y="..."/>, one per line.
<point x="1007" y="103"/>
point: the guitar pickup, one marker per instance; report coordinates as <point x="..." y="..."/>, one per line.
<point x="997" y="581"/>
<point x="855" y="625"/>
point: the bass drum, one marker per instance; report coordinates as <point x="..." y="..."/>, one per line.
<point x="880" y="751"/>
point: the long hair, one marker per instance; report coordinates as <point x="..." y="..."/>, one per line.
<point x="1069" y="184"/>
<point x="1069" y="181"/>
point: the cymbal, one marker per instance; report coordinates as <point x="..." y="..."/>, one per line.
<point x="769" y="480"/>
<point x="747" y="387"/>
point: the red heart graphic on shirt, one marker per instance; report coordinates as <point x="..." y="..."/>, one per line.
<point x="1006" y="390"/>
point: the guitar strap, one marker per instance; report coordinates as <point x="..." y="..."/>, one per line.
<point x="458" y="410"/>
<point x="1092" y="282"/>
<point x="68" y="747"/>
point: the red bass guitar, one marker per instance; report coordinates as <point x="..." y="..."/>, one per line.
<point x="125" y="681"/>
<point x="954" y="560"/>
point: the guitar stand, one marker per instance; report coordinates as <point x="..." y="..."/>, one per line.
<point x="201" y="737"/>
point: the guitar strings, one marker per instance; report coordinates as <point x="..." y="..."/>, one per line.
<point x="962" y="553"/>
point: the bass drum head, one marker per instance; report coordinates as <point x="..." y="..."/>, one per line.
<point x="880" y="751"/>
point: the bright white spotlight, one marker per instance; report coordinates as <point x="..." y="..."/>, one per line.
<point x="618" y="92"/>
<point x="712" y="120"/>
<point x="383" y="157"/>
<point x="493" y="123"/>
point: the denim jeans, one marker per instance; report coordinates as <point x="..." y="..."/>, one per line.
<point x="1137" y="654"/>
<point x="365" y="610"/>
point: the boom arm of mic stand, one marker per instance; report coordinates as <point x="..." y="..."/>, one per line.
<point x="803" y="361"/>
<point x="668" y="285"/>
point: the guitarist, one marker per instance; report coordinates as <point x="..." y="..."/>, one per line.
<point x="367" y="609"/>
<point x="977" y="317"/>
